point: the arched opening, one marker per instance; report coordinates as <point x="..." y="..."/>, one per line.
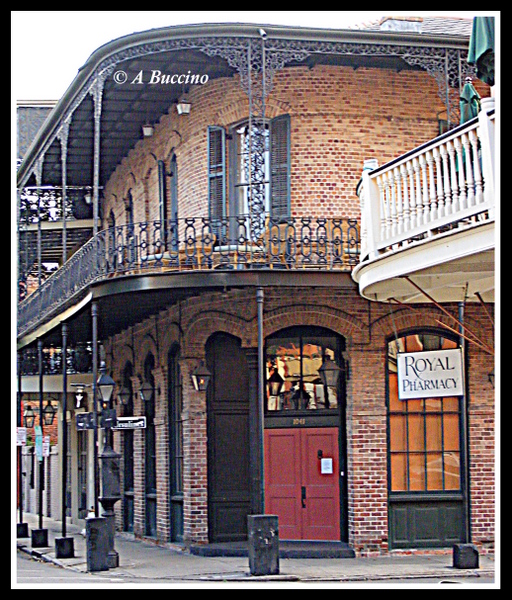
<point x="305" y="434"/>
<point x="427" y="487"/>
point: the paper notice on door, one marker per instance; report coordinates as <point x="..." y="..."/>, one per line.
<point x="326" y="466"/>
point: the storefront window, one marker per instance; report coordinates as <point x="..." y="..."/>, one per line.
<point x="296" y="356"/>
<point x="424" y="433"/>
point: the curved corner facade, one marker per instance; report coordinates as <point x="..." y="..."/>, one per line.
<point x="223" y="236"/>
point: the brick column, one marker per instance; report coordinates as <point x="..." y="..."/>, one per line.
<point x="195" y="460"/>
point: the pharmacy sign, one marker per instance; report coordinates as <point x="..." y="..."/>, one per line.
<point x="430" y="374"/>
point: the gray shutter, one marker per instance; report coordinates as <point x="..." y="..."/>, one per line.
<point x="216" y="172"/>
<point x="280" y="166"/>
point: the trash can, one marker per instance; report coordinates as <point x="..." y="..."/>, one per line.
<point x="96" y="538"/>
<point x="263" y="544"/>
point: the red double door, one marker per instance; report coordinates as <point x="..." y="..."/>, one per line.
<point x="302" y="484"/>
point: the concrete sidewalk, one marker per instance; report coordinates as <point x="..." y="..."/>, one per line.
<point x="142" y="561"/>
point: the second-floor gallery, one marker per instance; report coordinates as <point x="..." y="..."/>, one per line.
<point x="191" y="204"/>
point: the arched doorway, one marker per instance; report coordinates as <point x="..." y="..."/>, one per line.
<point x="228" y="439"/>
<point x="305" y="435"/>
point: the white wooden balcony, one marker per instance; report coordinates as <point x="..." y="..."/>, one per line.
<point x="427" y="219"/>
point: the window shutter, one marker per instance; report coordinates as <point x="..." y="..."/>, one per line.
<point x="216" y="172"/>
<point x="162" y="194"/>
<point x="173" y="175"/>
<point x="280" y="166"/>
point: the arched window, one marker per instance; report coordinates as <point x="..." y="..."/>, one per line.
<point x="296" y="355"/>
<point x="424" y="433"/>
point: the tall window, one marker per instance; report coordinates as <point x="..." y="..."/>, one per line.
<point x="229" y="154"/>
<point x="175" y="445"/>
<point x="424" y="434"/>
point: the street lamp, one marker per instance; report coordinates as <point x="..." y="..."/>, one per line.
<point x="106" y="386"/>
<point x="111" y="487"/>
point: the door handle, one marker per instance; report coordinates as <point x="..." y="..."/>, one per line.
<point x="303" y="496"/>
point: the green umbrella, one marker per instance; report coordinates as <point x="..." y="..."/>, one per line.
<point x="481" y="48"/>
<point x="469" y="102"/>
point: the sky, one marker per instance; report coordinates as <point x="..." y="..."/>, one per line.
<point x="48" y="47"/>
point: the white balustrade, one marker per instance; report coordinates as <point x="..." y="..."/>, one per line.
<point x="448" y="182"/>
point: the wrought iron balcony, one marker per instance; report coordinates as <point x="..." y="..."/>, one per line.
<point x="79" y="360"/>
<point x="195" y="243"/>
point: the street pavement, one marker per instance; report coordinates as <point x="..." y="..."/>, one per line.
<point x="141" y="561"/>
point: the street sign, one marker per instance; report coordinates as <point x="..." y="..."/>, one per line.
<point x="46" y="445"/>
<point x="130" y="423"/>
<point x="85" y="421"/>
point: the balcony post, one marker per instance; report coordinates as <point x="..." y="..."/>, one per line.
<point x="63" y="137"/>
<point x="486" y="135"/>
<point x="370" y="208"/>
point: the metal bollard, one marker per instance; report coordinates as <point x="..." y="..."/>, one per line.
<point x="96" y="537"/>
<point x="263" y="544"/>
<point x="465" y="556"/>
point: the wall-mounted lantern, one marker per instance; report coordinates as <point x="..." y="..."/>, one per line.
<point x="329" y="372"/>
<point x="200" y="377"/>
<point x="275" y="383"/>
<point x="29" y="417"/>
<point x="183" y="105"/>
<point x="49" y="412"/>
<point x="124" y="396"/>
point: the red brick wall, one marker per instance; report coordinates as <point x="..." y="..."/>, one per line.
<point x="366" y="327"/>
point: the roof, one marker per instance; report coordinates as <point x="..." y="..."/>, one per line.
<point x="458" y="26"/>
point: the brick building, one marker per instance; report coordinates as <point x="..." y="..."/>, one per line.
<point x="225" y="237"/>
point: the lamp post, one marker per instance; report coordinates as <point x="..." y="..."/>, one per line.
<point x="40" y="535"/>
<point x="64" y="546"/>
<point x="21" y="527"/>
<point x="110" y="480"/>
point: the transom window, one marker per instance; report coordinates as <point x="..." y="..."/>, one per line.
<point x="296" y="355"/>
<point x="424" y="434"/>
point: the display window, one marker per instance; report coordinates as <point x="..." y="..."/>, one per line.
<point x="424" y="433"/>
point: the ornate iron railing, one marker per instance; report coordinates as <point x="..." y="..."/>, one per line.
<point x="79" y="360"/>
<point x="196" y="243"/>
